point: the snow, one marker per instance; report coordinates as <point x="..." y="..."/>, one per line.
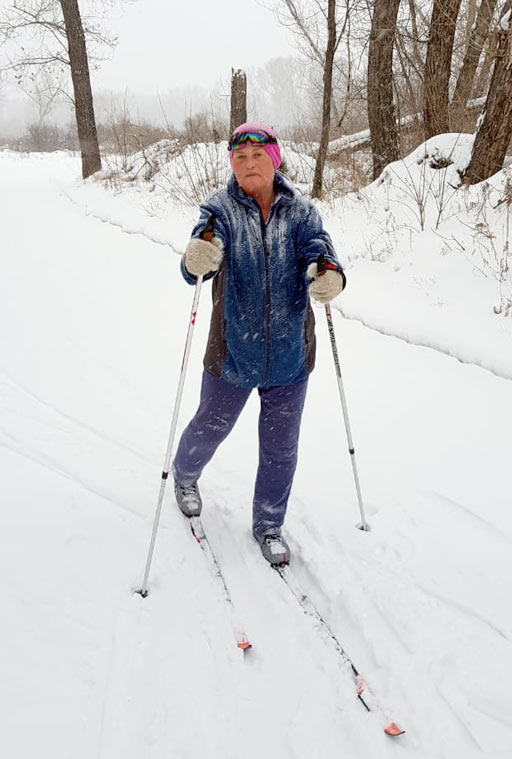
<point x="505" y="20"/>
<point x="93" y="315"/>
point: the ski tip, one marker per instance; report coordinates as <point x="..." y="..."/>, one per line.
<point x="393" y="729"/>
<point x="243" y="644"/>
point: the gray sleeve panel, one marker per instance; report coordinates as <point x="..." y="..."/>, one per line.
<point x="216" y="345"/>
<point x="310" y="339"/>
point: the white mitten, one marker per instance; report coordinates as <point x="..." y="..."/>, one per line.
<point x="202" y="256"/>
<point x="326" y="286"/>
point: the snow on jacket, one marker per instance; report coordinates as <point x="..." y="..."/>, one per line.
<point x="262" y="324"/>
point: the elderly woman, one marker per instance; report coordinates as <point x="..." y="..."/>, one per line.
<point x="262" y="258"/>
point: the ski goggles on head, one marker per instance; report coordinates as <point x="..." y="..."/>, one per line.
<point x="256" y="137"/>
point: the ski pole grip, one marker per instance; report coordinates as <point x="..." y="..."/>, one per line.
<point x="207" y="233"/>
<point x="323" y="264"/>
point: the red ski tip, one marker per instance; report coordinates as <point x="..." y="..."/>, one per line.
<point x="393" y="729"/>
<point x="243" y="644"/>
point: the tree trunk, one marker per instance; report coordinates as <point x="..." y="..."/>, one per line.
<point x="495" y="131"/>
<point x="484" y="76"/>
<point x="438" y="66"/>
<point x="418" y="59"/>
<point x="470" y="20"/>
<point x="84" y="108"/>
<point x="381" y="110"/>
<point x="465" y="80"/>
<point x="326" y="104"/>
<point x="238" y="99"/>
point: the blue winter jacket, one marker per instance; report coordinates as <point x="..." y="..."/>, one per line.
<point x="262" y="324"/>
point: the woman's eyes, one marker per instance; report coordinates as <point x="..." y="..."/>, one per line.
<point x="255" y="154"/>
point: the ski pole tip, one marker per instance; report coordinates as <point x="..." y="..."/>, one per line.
<point x="243" y="644"/>
<point x="143" y="592"/>
<point x="393" y="729"/>
<point x="364" y="527"/>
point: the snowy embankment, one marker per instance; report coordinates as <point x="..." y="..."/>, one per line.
<point x="93" y="322"/>
<point x="422" y="255"/>
<point x="429" y="258"/>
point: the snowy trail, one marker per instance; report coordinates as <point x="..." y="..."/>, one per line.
<point x="92" y="324"/>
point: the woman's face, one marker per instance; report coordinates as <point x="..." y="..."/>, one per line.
<point x="253" y="169"/>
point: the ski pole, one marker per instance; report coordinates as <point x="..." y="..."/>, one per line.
<point x="206" y="235"/>
<point x="321" y="269"/>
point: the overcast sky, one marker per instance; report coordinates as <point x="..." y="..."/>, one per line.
<point x="168" y="43"/>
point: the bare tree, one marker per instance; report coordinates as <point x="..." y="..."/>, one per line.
<point x="278" y="91"/>
<point x="483" y="77"/>
<point x="438" y="66"/>
<point x="50" y="35"/>
<point x="316" y="25"/>
<point x="465" y="80"/>
<point x="84" y="108"/>
<point x="381" y="110"/>
<point x="326" y="102"/>
<point x="410" y="40"/>
<point x="309" y="22"/>
<point x="495" y="131"/>
<point x="43" y="90"/>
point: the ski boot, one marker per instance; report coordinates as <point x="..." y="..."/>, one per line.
<point x="274" y="548"/>
<point x="188" y="499"/>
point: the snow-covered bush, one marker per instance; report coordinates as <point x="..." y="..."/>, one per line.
<point x="488" y="217"/>
<point x="419" y="206"/>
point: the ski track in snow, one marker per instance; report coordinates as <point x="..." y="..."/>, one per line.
<point x="134" y="228"/>
<point x="14" y="445"/>
<point x="465" y="610"/>
<point x="469" y="514"/>
<point x="408" y="336"/>
<point x="27" y="449"/>
<point x="102" y="672"/>
<point x="74" y="420"/>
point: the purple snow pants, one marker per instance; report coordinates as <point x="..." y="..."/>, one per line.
<point x="278" y="429"/>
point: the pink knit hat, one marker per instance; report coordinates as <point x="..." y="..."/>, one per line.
<point x="272" y="148"/>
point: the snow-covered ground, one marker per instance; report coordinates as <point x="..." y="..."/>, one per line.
<point x="93" y="314"/>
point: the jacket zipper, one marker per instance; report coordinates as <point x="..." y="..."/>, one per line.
<point x="266" y="370"/>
